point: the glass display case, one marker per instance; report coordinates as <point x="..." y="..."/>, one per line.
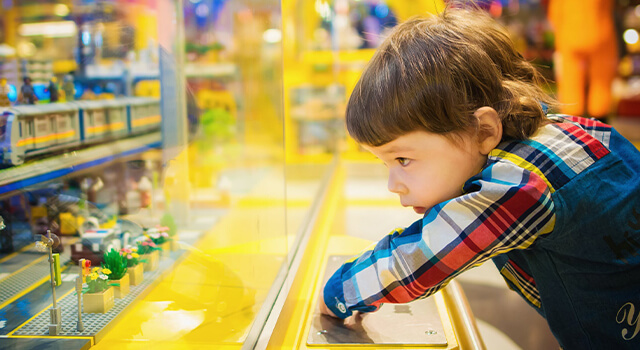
<point x="143" y="126"/>
<point x="168" y="170"/>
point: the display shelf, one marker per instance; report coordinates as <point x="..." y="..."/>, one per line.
<point x="16" y="178"/>
<point x="205" y="70"/>
<point x="96" y="324"/>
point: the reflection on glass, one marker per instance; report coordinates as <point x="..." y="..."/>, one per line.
<point x="95" y="166"/>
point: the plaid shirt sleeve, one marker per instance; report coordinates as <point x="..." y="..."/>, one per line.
<point x="505" y="207"/>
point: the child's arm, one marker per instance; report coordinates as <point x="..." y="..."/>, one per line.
<point x="506" y="207"/>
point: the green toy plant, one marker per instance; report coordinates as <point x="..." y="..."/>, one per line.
<point x="146" y="246"/>
<point x="97" y="280"/>
<point x="159" y="238"/>
<point x="116" y="263"/>
<point x="168" y="221"/>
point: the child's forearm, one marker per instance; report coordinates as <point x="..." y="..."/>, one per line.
<point x="505" y="208"/>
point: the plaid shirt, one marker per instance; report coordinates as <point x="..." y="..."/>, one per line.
<point x="507" y="206"/>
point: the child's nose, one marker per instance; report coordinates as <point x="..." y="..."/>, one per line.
<point x="394" y="184"/>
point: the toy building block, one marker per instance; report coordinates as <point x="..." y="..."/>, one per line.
<point x="100" y="302"/>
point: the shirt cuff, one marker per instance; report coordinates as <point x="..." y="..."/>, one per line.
<point x="334" y="295"/>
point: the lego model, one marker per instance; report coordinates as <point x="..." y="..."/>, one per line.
<point x="27" y="93"/>
<point x="94" y="243"/>
<point x="4" y="93"/>
<point x="68" y="88"/>
<point x="54" y="94"/>
<point x="85" y="269"/>
<point x="49" y="242"/>
<point x="42" y="129"/>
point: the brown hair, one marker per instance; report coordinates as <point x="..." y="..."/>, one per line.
<point x="432" y="73"/>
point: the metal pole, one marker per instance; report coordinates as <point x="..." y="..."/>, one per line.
<point x="79" y="281"/>
<point x="55" y="313"/>
<point x="53" y="279"/>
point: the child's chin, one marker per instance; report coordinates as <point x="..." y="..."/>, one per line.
<point x="420" y="210"/>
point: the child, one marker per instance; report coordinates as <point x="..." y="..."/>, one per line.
<point x="457" y="116"/>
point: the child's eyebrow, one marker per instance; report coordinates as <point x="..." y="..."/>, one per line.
<point x="397" y="149"/>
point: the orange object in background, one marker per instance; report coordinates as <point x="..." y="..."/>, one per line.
<point x="586" y="43"/>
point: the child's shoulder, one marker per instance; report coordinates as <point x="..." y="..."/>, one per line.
<point x="559" y="150"/>
<point x="587" y="124"/>
<point x="577" y="127"/>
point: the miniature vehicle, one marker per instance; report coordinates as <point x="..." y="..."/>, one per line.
<point x="95" y="243"/>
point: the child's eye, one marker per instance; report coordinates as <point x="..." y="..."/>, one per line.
<point x="403" y="161"/>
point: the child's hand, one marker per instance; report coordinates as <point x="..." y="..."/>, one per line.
<point x="354" y="322"/>
<point x="324" y="309"/>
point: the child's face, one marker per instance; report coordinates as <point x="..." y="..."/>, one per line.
<point x="426" y="169"/>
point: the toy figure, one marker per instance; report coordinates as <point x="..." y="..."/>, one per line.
<point x="586" y="45"/>
<point x="53" y="90"/>
<point x="27" y="94"/>
<point x="4" y="93"/>
<point x="68" y="88"/>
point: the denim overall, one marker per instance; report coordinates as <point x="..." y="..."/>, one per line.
<point x="586" y="272"/>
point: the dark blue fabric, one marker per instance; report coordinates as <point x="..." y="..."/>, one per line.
<point x="587" y="271"/>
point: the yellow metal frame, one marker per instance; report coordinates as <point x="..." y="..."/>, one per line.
<point x="294" y="321"/>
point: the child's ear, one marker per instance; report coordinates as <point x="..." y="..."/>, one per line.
<point x="489" y="129"/>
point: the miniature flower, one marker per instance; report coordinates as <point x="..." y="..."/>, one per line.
<point x="151" y="244"/>
<point x="106" y="271"/>
<point x="93" y="276"/>
<point x="104" y="277"/>
<point x="134" y="249"/>
<point x="135" y="255"/>
<point x="95" y="269"/>
<point x="145" y="243"/>
<point x="164" y="234"/>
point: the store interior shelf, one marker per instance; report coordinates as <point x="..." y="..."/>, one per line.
<point x="199" y="70"/>
<point x="16" y="178"/>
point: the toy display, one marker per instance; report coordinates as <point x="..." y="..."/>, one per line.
<point x="116" y="262"/>
<point x="85" y="266"/>
<point x="135" y="268"/>
<point x="47" y="243"/>
<point x="53" y="90"/>
<point x="95" y="243"/>
<point x="150" y="254"/>
<point x="44" y="129"/>
<point x="5" y="89"/>
<point x="68" y="88"/>
<point x="27" y="93"/>
<point x="98" y="296"/>
<point x="318" y="112"/>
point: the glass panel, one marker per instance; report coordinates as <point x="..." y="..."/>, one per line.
<point x="194" y="175"/>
